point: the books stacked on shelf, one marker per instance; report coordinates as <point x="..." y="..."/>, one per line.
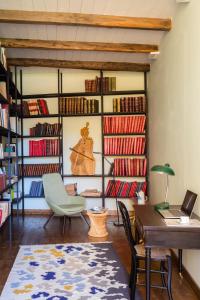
<point x="3" y="57"/>
<point x="10" y="150"/>
<point x="130" y="104"/>
<point x="124" y="124"/>
<point x="35" y="107"/>
<point x="44" y="147"/>
<point x="36" y="189"/>
<point x="78" y="105"/>
<point x="38" y="169"/>
<point x="94" y="85"/>
<point x="1" y="152"/>
<point x="90" y="193"/>
<point x="46" y="129"/>
<point x="2" y="181"/>
<point x="123" y="189"/>
<point x="124" y="145"/>
<point x="4" y="211"/>
<point x="130" y="167"/>
<point x="3" y="90"/>
<point x="4" y="115"/>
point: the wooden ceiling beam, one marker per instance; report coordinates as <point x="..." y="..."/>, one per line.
<point x="90" y="65"/>
<point x="81" y="46"/>
<point x="61" y="18"/>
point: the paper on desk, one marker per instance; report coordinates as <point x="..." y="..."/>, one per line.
<point x="176" y="222"/>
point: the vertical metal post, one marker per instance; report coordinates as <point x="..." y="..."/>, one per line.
<point x="102" y="139"/>
<point x="146" y="132"/>
<point x="16" y="126"/>
<point x="22" y="140"/>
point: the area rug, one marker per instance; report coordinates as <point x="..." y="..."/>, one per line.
<point x="67" y="271"/>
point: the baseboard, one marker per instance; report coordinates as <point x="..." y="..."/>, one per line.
<point x="42" y="212"/>
<point x="187" y="276"/>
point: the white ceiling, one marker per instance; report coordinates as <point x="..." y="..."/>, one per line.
<point x="134" y="8"/>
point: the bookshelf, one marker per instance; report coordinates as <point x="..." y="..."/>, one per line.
<point x="80" y="118"/>
<point x="9" y="137"/>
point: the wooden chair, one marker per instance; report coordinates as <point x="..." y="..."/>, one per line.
<point x="138" y="254"/>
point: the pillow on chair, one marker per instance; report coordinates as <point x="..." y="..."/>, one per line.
<point x="71" y="189"/>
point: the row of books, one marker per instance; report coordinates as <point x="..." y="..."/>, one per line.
<point x="124" y="145"/>
<point x="107" y="84"/>
<point x="130" y="104"/>
<point x="9" y="150"/>
<point x="38" y="169"/>
<point x="124" y="124"/>
<point x="78" y="105"/>
<point x="3" y="183"/>
<point x="130" y="167"/>
<point x="4" y="211"/>
<point x="123" y="189"/>
<point x="35" y="107"/>
<point x="44" y="147"/>
<point x="3" y="57"/>
<point x="1" y="151"/>
<point x="4" y="115"/>
<point x="36" y="189"/>
<point x="46" y="129"/>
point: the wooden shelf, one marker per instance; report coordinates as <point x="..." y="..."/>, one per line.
<point x="84" y="94"/>
<point x="4" y="132"/>
<point x="40" y="156"/>
<point x="120" y="176"/>
<point x="28" y="196"/>
<point x="118" y="134"/>
<point x="113" y="155"/>
<point x="70" y="175"/>
<point x="40" y="136"/>
<point x="124" y="113"/>
<point x="81" y="115"/>
<point x="41" y="116"/>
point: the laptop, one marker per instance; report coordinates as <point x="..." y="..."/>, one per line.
<point x="185" y="210"/>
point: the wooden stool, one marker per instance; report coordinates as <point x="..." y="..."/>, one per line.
<point x="97" y="224"/>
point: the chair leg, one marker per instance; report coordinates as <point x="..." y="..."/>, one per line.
<point x="84" y="219"/>
<point x="169" y="278"/>
<point x="133" y="277"/>
<point x="50" y="217"/>
<point x="70" y="221"/>
<point x="162" y="275"/>
<point x="64" y="224"/>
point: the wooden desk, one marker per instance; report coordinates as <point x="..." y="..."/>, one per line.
<point x="158" y="234"/>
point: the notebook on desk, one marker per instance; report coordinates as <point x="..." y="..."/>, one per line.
<point x="185" y="210"/>
<point x="171" y="213"/>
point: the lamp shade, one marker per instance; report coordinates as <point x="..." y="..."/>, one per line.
<point x="163" y="169"/>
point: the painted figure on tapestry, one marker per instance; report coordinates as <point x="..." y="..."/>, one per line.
<point x="82" y="158"/>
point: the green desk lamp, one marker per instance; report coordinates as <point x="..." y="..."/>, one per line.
<point x="166" y="169"/>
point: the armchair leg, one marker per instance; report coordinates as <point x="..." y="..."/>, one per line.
<point x="84" y="219"/>
<point x="64" y="224"/>
<point x="50" y="217"/>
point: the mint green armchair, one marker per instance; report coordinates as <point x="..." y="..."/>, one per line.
<point x="59" y="201"/>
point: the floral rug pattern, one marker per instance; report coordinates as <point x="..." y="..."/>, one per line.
<point x="67" y="271"/>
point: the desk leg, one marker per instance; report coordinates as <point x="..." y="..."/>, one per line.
<point x="180" y="261"/>
<point x="148" y="272"/>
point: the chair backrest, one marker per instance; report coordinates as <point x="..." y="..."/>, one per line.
<point x="54" y="189"/>
<point x="188" y="202"/>
<point x="127" y="226"/>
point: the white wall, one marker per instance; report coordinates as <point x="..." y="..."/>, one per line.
<point x="44" y="80"/>
<point x="174" y="114"/>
